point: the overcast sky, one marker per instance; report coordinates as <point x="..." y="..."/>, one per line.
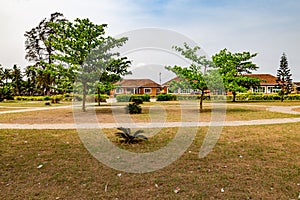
<point x="266" y="27"/>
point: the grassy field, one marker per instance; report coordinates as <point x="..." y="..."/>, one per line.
<point x="159" y="112"/>
<point x="248" y="162"/>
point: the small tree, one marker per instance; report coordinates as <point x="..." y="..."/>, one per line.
<point x="284" y="80"/>
<point x="82" y="44"/>
<point x="232" y="67"/>
<point x="194" y="74"/>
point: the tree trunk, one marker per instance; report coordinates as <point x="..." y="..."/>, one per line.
<point x="201" y="100"/>
<point x="234" y="95"/>
<point x="84" y="96"/>
<point x="98" y="92"/>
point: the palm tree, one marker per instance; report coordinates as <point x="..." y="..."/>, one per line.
<point x="16" y="77"/>
<point x="7" y="75"/>
<point x="128" y="137"/>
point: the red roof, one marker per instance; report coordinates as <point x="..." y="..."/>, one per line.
<point x="177" y="79"/>
<point x="137" y="83"/>
<point x="267" y="79"/>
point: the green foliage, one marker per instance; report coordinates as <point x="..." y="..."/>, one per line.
<point x="123" y="97"/>
<point x="137" y="101"/>
<point x="128" y="137"/>
<point x="195" y="74"/>
<point x="40" y="52"/>
<point x="232" y="67"/>
<point x="82" y="44"/>
<point x="134" y="108"/>
<point x="284" y="80"/>
<point x="129" y="97"/>
<point x="166" y="97"/>
<point x="191" y="97"/>
<point x="263" y="97"/>
<point x="47" y="98"/>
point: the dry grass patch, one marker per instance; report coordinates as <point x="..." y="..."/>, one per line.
<point x="296" y="109"/>
<point x="248" y="162"/>
<point x="150" y="113"/>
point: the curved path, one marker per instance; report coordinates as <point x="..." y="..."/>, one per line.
<point x="281" y="109"/>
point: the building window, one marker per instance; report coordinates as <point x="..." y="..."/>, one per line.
<point x="129" y="90"/>
<point x="119" y="90"/>
<point x="147" y="90"/>
<point x="260" y="89"/>
<point x="270" y="89"/>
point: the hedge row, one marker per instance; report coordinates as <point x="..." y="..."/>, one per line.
<point x="66" y="97"/>
<point x="166" y="97"/>
<point x="239" y="97"/>
<point x="128" y="97"/>
<point x="265" y="97"/>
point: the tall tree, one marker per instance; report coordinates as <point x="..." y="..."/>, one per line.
<point x="30" y="82"/>
<point x="17" y="81"/>
<point x="76" y="43"/>
<point x="40" y="51"/>
<point x="284" y="80"/>
<point x="109" y="66"/>
<point x="233" y="67"/>
<point x="195" y="73"/>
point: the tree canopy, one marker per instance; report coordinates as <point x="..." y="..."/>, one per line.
<point x="195" y="73"/>
<point x="233" y="67"/>
<point x="82" y="44"/>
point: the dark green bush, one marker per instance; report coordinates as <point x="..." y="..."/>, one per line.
<point x="134" y="108"/>
<point x="46" y="98"/>
<point x="166" y="97"/>
<point x="137" y="100"/>
<point x="144" y="97"/>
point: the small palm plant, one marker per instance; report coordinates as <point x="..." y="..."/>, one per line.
<point x="128" y="137"/>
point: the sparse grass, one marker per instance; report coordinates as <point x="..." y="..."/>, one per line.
<point x="158" y="112"/>
<point x="268" y="169"/>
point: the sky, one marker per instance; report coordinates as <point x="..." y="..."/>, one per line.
<point x="265" y="27"/>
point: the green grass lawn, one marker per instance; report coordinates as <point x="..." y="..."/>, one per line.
<point x="248" y="162"/>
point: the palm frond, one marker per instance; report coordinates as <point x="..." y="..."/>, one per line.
<point x="122" y="135"/>
<point x="137" y="133"/>
<point x="125" y="130"/>
<point x="142" y="137"/>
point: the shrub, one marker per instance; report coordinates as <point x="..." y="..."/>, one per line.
<point x="134" y="108"/>
<point x="144" y="97"/>
<point x="166" y="97"/>
<point x="46" y="98"/>
<point x="129" y="137"/>
<point x="137" y="100"/>
<point x="123" y="98"/>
